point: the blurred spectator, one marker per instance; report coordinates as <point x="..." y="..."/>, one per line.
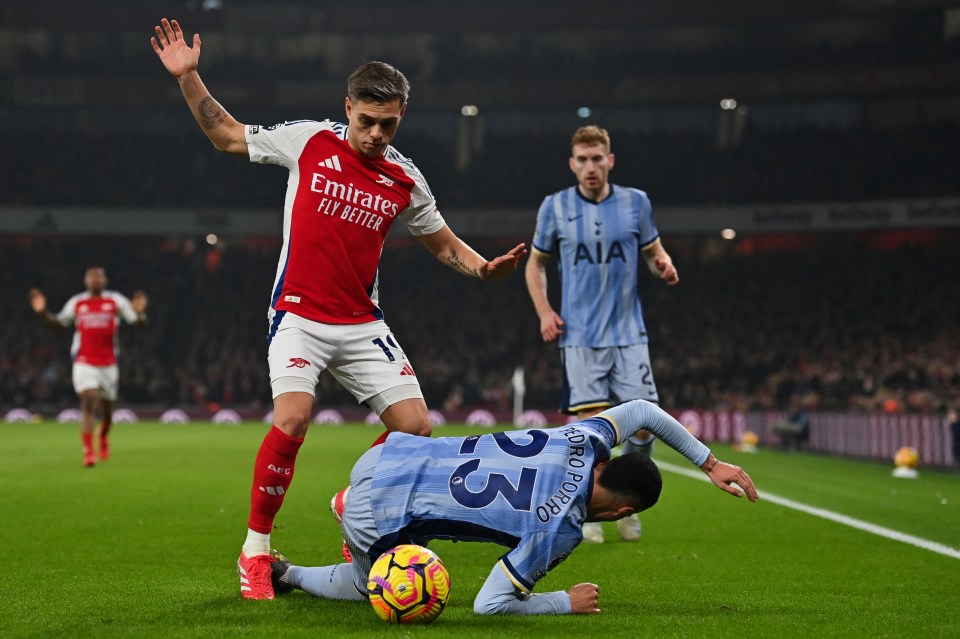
<point x="953" y="417"/>
<point x="794" y="431"/>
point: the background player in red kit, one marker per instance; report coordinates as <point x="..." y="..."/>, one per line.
<point x="94" y="349"/>
<point x="347" y="186"/>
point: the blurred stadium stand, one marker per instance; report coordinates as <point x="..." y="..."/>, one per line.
<point x="861" y="322"/>
<point x="837" y="102"/>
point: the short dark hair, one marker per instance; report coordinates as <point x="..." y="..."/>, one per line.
<point x="634" y="477"/>
<point x="377" y="82"/>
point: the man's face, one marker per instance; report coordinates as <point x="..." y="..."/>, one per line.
<point x="95" y="280"/>
<point x="373" y="125"/>
<point x="591" y="163"/>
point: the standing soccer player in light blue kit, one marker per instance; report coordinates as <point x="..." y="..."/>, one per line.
<point x="528" y="490"/>
<point x="599" y="231"/>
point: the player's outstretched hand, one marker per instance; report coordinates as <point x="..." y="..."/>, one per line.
<point x="501" y="267"/>
<point x="584" y="599"/>
<point x="174" y="52"/>
<point x="668" y="272"/>
<point x="38" y="301"/>
<point x="139" y="301"/>
<point x="551" y="326"/>
<point x="724" y="475"/>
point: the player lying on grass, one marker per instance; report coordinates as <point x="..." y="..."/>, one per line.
<point x="528" y="490"/>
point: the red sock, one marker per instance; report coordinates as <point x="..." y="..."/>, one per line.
<point x="104" y="429"/>
<point x="379" y="440"/>
<point x="87" y="439"/>
<point x="272" y="474"/>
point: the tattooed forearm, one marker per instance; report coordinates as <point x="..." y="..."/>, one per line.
<point x="210" y="113"/>
<point x="458" y="265"/>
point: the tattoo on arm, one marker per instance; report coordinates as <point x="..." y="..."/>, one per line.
<point x="458" y="265"/>
<point x="211" y="114"/>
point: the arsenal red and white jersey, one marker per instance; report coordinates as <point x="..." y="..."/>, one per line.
<point x="95" y="340"/>
<point x="338" y="210"/>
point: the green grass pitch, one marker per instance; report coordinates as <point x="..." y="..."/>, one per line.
<point x="145" y="545"/>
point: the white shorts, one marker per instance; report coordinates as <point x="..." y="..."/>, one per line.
<point x="103" y="378"/>
<point x="365" y="358"/>
<point x="604" y="377"/>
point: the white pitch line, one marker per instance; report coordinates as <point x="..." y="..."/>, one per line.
<point x="918" y="542"/>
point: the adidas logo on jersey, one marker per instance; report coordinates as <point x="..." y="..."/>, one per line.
<point x="408" y="370"/>
<point x="331" y="163"/>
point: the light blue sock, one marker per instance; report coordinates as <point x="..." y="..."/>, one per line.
<point x="642" y="446"/>
<point x="329" y="582"/>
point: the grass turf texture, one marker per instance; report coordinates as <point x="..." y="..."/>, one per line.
<point x="144" y="545"/>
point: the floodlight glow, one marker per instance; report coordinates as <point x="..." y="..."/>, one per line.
<point x="728" y="234"/>
<point x="469" y="110"/>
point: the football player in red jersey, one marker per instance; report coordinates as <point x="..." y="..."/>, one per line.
<point x="347" y="185"/>
<point x="94" y="351"/>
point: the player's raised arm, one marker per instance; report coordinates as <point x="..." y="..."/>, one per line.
<point x="38" y="302"/>
<point x="139" y="303"/>
<point x="455" y="253"/>
<point x="181" y="60"/>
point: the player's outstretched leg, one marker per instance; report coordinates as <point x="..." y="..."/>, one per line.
<point x="272" y="475"/>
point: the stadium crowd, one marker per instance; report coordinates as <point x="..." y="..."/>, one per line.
<point x="822" y="163"/>
<point x="861" y="327"/>
<point x="837" y="109"/>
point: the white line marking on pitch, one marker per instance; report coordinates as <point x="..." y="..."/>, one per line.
<point x="918" y="542"/>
